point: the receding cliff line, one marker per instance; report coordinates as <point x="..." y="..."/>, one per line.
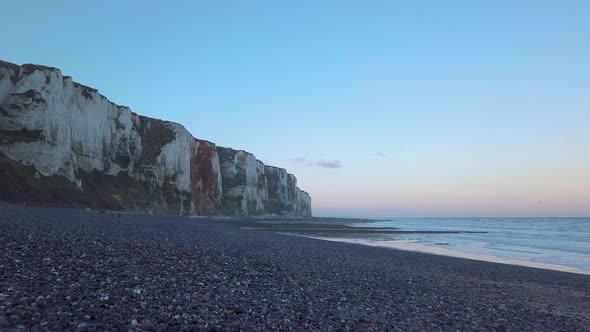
<point x="65" y="144"/>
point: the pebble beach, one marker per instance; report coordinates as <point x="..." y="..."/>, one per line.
<point x="67" y="269"/>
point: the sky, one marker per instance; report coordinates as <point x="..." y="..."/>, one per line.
<point x="380" y="108"/>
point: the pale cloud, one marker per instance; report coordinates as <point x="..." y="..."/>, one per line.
<point x="329" y="164"/>
<point x="379" y="155"/>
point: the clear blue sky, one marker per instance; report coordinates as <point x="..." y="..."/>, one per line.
<point x="381" y="108"/>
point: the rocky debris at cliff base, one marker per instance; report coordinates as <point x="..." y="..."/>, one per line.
<point x="64" y="269"/>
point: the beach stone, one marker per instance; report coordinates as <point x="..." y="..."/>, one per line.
<point x="4" y="322"/>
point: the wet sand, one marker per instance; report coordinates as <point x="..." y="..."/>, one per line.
<point x="417" y="247"/>
<point x="381" y="237"/>
<point x="334" y="228"/>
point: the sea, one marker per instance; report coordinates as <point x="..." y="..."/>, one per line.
<point x="559" y="241"/>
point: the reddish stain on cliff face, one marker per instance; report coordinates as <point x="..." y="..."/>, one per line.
<point x="204" y="185"/>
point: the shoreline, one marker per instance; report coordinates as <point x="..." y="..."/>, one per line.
<point x="414" y="246"/>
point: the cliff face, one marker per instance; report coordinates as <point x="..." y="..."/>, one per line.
<point x="63" y="143"/>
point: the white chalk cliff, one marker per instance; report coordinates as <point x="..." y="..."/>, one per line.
<point x="64" y="144"/>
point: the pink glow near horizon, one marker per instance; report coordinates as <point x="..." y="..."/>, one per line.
<point x="557" y="191"/>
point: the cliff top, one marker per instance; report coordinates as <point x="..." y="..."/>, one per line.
<point x="30" y="68"/>
<point x="87" y="91"/>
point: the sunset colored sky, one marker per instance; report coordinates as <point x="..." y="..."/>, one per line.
<point x="434" y="108"/>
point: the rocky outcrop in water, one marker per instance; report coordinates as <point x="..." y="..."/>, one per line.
<point x="64" y="144"/>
